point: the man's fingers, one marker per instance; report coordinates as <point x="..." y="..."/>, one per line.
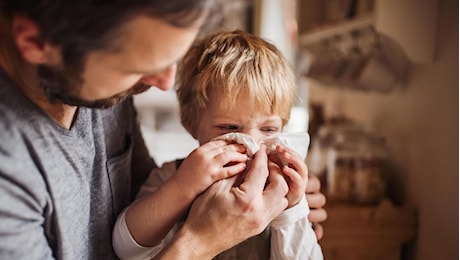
<point x="317" y="215"/>
<point x="313" y="184"/>
<point x="277" y="187"/>
<point x="319" y="232"/>
<point x="316" y="200"/>
<point x="256" y="176"/>
<point x="265" y="182"/>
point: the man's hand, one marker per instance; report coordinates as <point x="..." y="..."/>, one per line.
<point x="225" y="214"/>
<point x="316" y="200"/>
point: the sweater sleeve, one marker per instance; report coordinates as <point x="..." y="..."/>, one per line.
<point x="292" y="236"/>
<point x="126" y="247"/>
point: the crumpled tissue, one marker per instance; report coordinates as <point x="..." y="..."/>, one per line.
<point x="296" y="141"/>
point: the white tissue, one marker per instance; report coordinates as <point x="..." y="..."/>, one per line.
<point x="296" y="141"/>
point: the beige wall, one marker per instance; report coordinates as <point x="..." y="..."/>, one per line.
<point x="420" y="122"/>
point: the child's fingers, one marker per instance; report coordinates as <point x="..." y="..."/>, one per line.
<point x="293" y="160"/>
<point x="293" y="175"/>
<point x="296" y="185"/>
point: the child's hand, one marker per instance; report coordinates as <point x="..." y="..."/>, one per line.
<point x="295" y="170"/>
<point x="209" y="163"/>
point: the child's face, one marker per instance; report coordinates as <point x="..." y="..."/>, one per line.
<point x="244" y="118"/>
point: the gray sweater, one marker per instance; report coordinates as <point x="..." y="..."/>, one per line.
<point x="61" y="190"/>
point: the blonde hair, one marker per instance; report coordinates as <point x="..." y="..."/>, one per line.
<point x="237" y="64"/>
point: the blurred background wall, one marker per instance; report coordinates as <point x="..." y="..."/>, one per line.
<point x="420" y="121"/>
<point x="418" y="118"/>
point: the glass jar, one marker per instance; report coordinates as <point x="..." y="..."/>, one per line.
<point x="340" y="176"/>
<point x="355" y="168"/>
<point x="327" y="137"/>
<point x="369" y="175"/>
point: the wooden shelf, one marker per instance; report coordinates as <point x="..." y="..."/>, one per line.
<point x="327" y="31"/>
<point x="353" y="232"/>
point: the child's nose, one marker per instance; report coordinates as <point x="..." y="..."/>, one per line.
<point x="255" y="134"/>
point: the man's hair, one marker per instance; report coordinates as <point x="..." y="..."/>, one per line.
<point x="236" y="64"/>
<point x="89" y="21"/>
<point x="82" y="26"/>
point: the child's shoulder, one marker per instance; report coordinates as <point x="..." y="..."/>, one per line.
<point x="168" y="168"/>
<point x="157" y="178"/>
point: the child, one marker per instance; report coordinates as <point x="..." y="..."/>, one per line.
<point x="229" y="82"/>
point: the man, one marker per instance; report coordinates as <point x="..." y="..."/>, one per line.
<point x="67" y="168"/>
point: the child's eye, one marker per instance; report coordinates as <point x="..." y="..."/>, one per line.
<point x="270" y="129"/>
<point x="228" y="127"/>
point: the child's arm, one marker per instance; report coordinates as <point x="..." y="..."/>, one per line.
<point x="292" y="236"/>
<point x="152" y="217"/>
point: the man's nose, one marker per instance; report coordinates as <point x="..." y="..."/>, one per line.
<point x="163" y="80"/>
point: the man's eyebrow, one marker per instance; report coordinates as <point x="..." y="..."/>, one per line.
<point x="147" y="71"/>
<point x="153" y="71"/>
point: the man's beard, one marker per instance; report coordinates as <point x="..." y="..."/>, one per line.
<point x="60" y="86"/>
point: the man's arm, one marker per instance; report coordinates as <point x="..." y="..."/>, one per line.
<point x="23" y="221"/>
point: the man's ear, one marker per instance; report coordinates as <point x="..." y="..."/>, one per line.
<point x="193" y="134"/>
<point x="26" y="35"/>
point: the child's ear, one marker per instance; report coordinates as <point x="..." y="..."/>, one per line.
<point x="26" y="35"/>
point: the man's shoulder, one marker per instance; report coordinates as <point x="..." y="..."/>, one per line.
<point x="13" y="102"/>
<point x="10" y="123"/>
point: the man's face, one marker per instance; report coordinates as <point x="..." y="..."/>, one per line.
<point x="149" y="51"/>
